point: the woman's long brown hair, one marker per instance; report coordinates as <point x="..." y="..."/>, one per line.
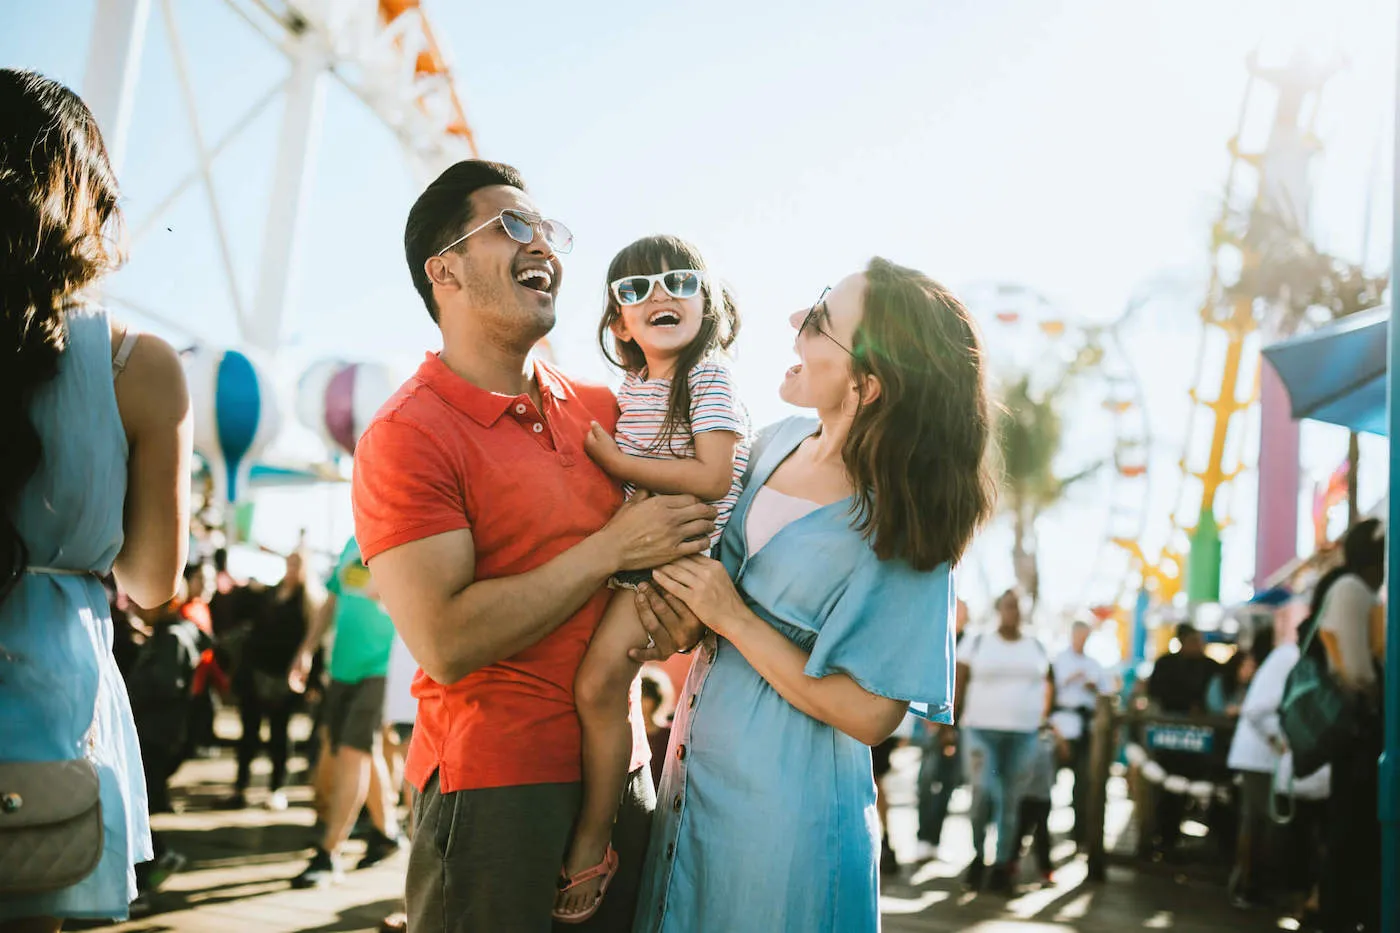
<point x="918" y="453"/>
<point x="59" y="224"/>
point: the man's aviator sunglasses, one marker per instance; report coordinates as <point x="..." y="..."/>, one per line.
<point x="520" y="226"/>
<point x="635" y="289"/>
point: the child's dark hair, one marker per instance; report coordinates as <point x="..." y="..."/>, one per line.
<point x="718" y="327"/>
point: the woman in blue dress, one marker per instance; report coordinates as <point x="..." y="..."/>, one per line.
<point x="94" y="477"/>
<point x="830" y="607"/>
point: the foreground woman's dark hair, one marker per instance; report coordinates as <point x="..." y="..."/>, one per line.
<point x="58" y="220"/>
<point x="918" y="453"/>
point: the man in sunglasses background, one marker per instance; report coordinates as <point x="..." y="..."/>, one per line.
<point x="491" y="536"/>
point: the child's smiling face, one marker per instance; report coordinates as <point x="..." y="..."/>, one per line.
<point x="661" y="326"/>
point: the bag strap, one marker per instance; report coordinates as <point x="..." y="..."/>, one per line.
<point x="1316" y="620"/>
<point x="1280" y="818"/>
<point x="119" y="359"/>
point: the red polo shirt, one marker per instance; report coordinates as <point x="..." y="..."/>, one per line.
<point x="443" y="455"/>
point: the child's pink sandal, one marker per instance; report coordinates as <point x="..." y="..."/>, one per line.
<point x="605" y="869"/>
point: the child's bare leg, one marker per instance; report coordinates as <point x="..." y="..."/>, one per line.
<point x="600" y="693"/>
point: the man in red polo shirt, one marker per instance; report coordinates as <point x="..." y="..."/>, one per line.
<point x="491" y="535"/>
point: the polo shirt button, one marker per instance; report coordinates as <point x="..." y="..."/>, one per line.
<point x="680" y="752"/>
<point x="520" y="409"/>
<point x="537" y="427"/>
<point x="677" y="804"/>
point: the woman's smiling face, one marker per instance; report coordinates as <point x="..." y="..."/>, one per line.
<point x="822" y="379"/>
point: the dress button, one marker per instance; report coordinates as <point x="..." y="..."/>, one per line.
<point x="677" y="804"/>
<point x="520" y="409"/>
<point x="537" y="427"/>
<point x="680" y="752"/>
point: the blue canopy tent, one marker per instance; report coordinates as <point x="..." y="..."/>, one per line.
<point x="1340" y="374"/>
<point x="1337" y="373"/>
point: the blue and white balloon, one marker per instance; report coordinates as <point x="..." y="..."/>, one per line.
<point x="235" y="414"/>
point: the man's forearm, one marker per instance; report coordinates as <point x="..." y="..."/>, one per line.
<point x="490" y="620"/>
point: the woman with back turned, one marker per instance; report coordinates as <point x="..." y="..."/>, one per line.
<point x="94" y="477"/>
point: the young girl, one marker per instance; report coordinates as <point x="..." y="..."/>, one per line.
<point x="681" y="430"/>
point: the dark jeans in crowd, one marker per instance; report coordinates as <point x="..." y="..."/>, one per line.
<point x="940" y="773"/>
<point x="253" y="710"/>
<point x="1079" y="765"/>
<point x="1035" y="822"/>
<point x="1351" y="874"/>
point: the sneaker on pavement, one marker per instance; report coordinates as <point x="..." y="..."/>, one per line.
<point x="168" y="864"/>
<point x="397" y="922"/>
<point x="320" y="873"/>
<point x="976" y="872"/>
<point x="277" y="802"/>
<point x="1002" y="880"/>
<point x="379" y="848"/>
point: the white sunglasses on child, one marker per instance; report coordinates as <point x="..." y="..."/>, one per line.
<point x="635" y="289"/>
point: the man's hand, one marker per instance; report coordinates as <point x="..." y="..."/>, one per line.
<point x="649" y="531"/>
<point x="669" y="623"/>
<point x="300" y="671"/>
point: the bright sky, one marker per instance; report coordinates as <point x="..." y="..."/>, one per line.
<point x="1075" y="147"/>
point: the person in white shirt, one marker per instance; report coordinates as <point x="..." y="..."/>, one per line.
<point x="1078" y="680"/>
<point x="1344" y="605"/>
<point x="1004" y="694"/>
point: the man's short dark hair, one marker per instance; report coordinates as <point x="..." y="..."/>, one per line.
<point x="442" y="212"/>
<point x="1185" y="631"/>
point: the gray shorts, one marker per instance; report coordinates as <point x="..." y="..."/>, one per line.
<point x="488" y="860"/>
<point x="354" y="713"/>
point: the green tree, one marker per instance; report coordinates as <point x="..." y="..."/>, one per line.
<point x="1030" y="433"/>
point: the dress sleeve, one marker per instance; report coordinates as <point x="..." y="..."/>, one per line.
<point x="714" y="405"/>
<point x="891" y="632"/>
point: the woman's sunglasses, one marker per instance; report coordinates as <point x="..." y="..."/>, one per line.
<point x="520" y="226"/>
<point x="813" y="322"/>
<point x="635" y="289"/>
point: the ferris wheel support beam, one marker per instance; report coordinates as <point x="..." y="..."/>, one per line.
<point x="113" y="66"/>
<point x="291" y="189"/>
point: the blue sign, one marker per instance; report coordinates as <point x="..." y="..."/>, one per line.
<point x="1197" y="739"/>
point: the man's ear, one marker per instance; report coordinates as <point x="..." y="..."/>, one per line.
<point x="440" y="273"/>
<point x="619" y="330"/>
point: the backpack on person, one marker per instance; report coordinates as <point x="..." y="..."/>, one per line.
<point x="1320" y="718"/>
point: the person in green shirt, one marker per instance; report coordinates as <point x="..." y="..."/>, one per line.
<point x="353" y="715"/>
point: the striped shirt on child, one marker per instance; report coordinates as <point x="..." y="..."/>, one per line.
<point x="714" y="406"/>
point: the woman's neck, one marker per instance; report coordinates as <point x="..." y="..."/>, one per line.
<point x="829" y="444"/>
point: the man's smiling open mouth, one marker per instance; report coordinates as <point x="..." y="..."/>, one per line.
<point x="536" y="279"/>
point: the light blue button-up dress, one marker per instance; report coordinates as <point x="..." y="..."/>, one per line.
<point x="765" y="819"/>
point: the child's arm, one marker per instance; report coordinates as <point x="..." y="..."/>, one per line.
<point x="708" y="475"/>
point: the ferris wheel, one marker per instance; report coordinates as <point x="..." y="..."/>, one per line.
<point x="1106" y="435"/>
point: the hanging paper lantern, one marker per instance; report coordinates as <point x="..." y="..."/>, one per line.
<point x="337" y="400"/>
<point x="235" y="414"/>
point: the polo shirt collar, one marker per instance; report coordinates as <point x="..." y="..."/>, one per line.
<point x="480" y="405"/>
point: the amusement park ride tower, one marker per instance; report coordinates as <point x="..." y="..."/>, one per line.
<point x="1227" y="384"/>
<point x="383" y="51"/>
